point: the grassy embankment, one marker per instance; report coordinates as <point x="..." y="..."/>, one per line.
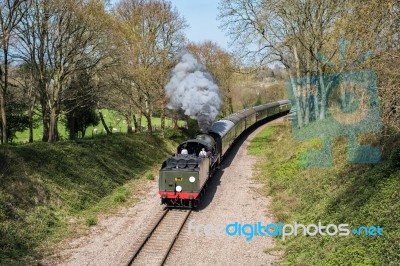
<point x="51" y="191"/>
<point x="346" y="193"/>
<point x="112" y="118"/>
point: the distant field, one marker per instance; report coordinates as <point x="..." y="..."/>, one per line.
<point x="113" y="119"/>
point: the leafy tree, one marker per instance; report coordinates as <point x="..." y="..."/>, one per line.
<point x="79" y="105"/>
<point x="11" y="13"/>
<point x="80" y="119"/>
<point x="17" y="118"/>
<point x="58" y="39"/>
<point x="151" y="34"/>
<point x="221" y="65"/>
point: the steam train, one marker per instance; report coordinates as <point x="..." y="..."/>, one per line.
<point x="183" y="177"/>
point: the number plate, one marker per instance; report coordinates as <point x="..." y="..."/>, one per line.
<point x="178" y="179"/>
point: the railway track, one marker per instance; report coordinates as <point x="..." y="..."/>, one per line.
<point x="156" y="246"/>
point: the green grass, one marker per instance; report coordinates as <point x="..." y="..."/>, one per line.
<point x="51" y="191"/>
<point x="259" y="144"/>
<point x="90" y="221"/>
<point x="353" y="194"/>
<point x="112" y="118"/>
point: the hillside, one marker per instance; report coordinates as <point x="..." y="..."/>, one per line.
<point x="50" y="191"/>
<point x="358" y="195"/>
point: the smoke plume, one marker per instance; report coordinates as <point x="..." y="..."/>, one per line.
<point x="192" y="89"/>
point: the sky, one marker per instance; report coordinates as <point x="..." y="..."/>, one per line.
<point x="201" y="16"/>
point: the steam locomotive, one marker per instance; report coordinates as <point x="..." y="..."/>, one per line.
<point x="183" y="177"/>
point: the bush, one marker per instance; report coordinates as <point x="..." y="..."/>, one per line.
<point x="121" y="195"/>
<point x="395" y="158"/>
<point x="90" y="221"/>
<point x="150" y="176"/>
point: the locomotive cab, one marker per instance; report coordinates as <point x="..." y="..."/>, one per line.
<point x="194" y="146"/>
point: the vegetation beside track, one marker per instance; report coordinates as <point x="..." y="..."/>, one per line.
<point x="49" y="192"/>
<point x="346" y="193"/>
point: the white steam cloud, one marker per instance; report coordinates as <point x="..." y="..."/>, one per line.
<point x="192" y="89"/>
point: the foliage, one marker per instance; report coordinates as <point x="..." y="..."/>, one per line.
<point x="51" y="191"/>
<point x="353" y="194"/>
<point x="11" y="14"/>
<point x="150" y="176"/>
<point x="80" y="119"/>
<point x="304" y="36"/>
<point x="149" y="35"/>
<point x="17" y="120"/>
<point x="90" y="221"/>
<point x="395" y="158"/>
<point x="221" y="65"/>
<point x="193" y="127"/>
<point x="252" y="89"/>
<point x="57" y="40"/>
<point x="80" y="106"/>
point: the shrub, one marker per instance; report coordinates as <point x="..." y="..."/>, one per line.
<point x="90" y="221"/>
<point x="395" y="158"/>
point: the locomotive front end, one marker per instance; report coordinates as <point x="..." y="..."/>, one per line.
<point x="183" y="175"/>
<point x="181" y="180"/>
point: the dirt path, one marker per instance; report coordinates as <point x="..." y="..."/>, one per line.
<point x="230" y="197"/>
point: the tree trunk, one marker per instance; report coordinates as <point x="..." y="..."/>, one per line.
<point x="174" y="120"/>
<point x="71" y="122"/>
<point x="129" y="123"/>
<point x="148" y="114"/>
<point x="53" y="128"/>
<point x="316" y="95"/>
<point x="45" y="119"/>
<point x="162" y="118"/>
<point x="139" y="121"/>
<point x="135" y="122"/>
<point x="128" y="118"/>
<point x="104" y="123"/>
<point x="324" y="88"/>
<point x="149" y="126"/>
<point x="3" y="96"/>
<point x="230" y="103"/>
<point x="1" y="133"/>
<point x="4" y="138"/>
<point x="30" y="119"/>
<point x="308" y="90"/>
<point x="297" y="101"/>
<point x="295" y="89"/>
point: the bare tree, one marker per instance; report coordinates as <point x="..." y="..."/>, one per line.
<point x="290" y="31"/>
<point x="375" y="26"/>
<point x="58" y="40"/>
<point x="152" y="33"/>
<point x="11" y="13"/>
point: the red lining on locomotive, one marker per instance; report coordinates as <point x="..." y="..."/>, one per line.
<point x="179" y="195"/>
